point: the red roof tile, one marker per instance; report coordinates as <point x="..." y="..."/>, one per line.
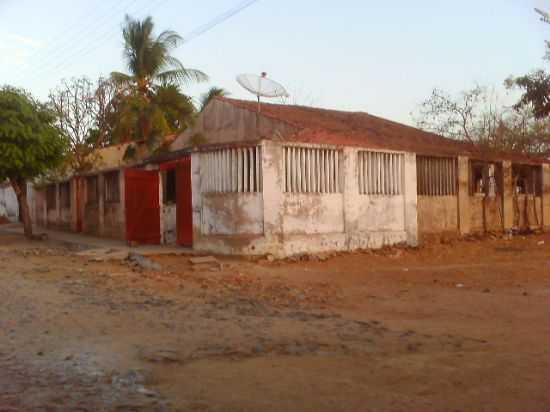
<point x="324" y="126"/>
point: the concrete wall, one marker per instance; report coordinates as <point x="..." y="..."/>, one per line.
<point x="486" y="213"/>
<point x="528" y="212"/>
<point x="168" y="220"/>
<point x="292" y="223"/>
<point x="437" y="215"/>
<point x="9" y="207"/>
<point x="222" y="122"/>
<point x="312" y="214"/>
<point x="232" y="214"/>
<point x="99" y="219"/>
<point x="546" y="196"/>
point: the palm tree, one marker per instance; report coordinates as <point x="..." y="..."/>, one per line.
<point x="148" y="58"/>
<point x="150" y="104"/>
<point x="212" y="93"/>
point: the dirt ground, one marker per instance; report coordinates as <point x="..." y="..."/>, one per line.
<point x="462" y="326"/>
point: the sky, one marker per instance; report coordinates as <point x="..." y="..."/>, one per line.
<point x="379" y="57"/>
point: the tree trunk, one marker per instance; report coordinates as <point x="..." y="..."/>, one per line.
<point x="20" y="188"/>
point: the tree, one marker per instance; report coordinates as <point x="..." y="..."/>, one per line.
<point x="151" y="104"/>
<point x="535" y="86"/>
<point x="471" y="116"/>
<point x="536" y="95"/>
<point x="82" y="111"/>
<point x="211" y="94"/>
<point x="149" y="60"/>
<point x="476" y="116"/>
<point x="165" y="112"/>
<point x="30" y="144"/>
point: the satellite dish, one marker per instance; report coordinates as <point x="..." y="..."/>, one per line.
<point x="261" y="86"/>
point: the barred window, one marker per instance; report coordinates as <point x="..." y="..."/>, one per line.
<point x="485" y="178"/>
<point x="112" y="187"/>
<point x="312" y="170"/>
<point x="92" y="195"/>
<point x="232" y="170"/>
<point x="380" y="173"/>
<point x="65" y="195"/>
<point x="436" y="176"/>
<point x="527" y="179"/>
<point x="51" y="197"/>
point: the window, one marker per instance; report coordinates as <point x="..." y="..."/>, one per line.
<point x="232" y="170"/>
<point x="380" y="173"/>
<point x="112" y="187"/>
<point x="485" y="178"/>
<point x="527" y="179"/>
<point x="312" y="170"/>
<point x="169" y="186"/>
<point x="436" y="176"/>
<point x="65" y="195"/>
<point x="92" y="195"/>
<point x="51" y="197"/>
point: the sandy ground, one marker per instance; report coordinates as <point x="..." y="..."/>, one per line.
<point x="463" y="326"/>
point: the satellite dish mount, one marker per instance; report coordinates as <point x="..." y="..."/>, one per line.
<point x="261" y="86"/>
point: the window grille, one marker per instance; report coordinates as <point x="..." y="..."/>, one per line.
<point x="436" y="176"/>
<point x="235" y="170"/>
<point x="312" y="170"/>
<point x="112" y="187"/>
<point x="92" y="195"/>
<point x="380" y="173"/>
<point x="65" y="195"/>
<point x="51" y="197"/>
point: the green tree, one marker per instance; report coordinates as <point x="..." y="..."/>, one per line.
<point x="150" y="103"/>
<point x="30" y="144"/>
<point x="149" y="60"/>
<point x="536" y="92"/>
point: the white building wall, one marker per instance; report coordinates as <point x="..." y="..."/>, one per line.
<point x="286" y="223"/>
<point x="9" y="207"/>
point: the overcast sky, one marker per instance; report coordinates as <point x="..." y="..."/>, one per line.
<point x="367" y="55"/>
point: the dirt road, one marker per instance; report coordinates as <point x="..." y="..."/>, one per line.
<point x="456" y="327"/>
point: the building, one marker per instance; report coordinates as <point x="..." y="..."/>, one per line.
<point x="289" y="180"/>
<point x="9" y="207"/>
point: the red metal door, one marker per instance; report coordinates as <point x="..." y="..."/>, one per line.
<point x="184" y="207"/>
<point x="142" y="206"/>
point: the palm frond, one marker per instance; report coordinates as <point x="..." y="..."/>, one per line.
<point x="212" y="93"/>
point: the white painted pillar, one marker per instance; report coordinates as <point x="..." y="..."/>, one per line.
<point x="411" y="199"/>
<point x="352" y="198"/>
<point x="196" y="195"/>
<point x="272" y="184"/>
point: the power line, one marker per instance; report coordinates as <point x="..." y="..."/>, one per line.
<point x="218" y="20"/>
<point x="100" y="41"/>
<point x="93" y="44"/>
<point x="95" y="22"/>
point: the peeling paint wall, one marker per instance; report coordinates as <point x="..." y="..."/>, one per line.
<point x="168" y="216"/>
<point x="293" y="222"/>
<point x="313" y="213"/>
<point x="232" y="214"/>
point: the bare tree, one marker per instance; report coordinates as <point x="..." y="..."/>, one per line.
<point x="83" y="109"/>
<point x="478" y="117"/>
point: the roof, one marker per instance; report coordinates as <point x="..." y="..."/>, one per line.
<point x="334" y="127"/>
